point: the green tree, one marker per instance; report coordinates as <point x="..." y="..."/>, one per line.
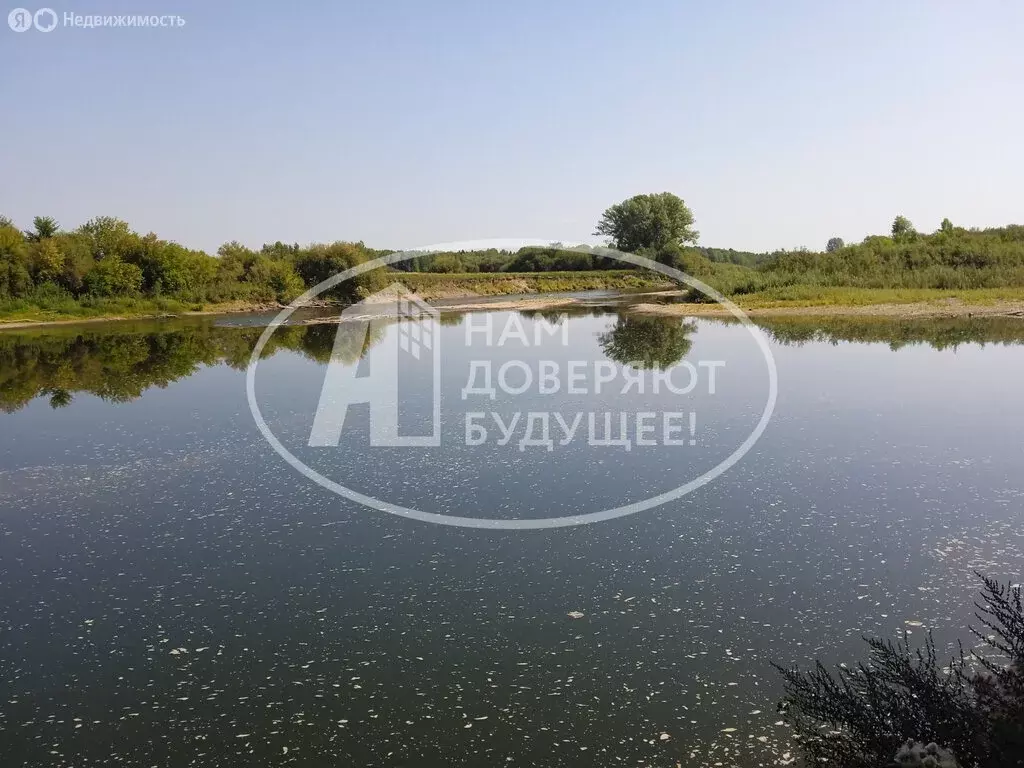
<point x="15" y="279"/>
<point x="234" y="262"/>
<point x="274" y="280"/>
<point x="113" y="277"/>
<point x="109" y="236"/>
<point x="946" y="226"/>
<point x="76" y="252"/>
<point x="169" y="268"/>
<point x="834" y="244"/>
<point x="572" y="261"/>
<point x="530" y="260"/>
<point x="47" y="261"/>
<point x="43" y="227"/>
<point x="320" y="261"/>
<point x="902" y="230"/>
<point x="196" y="271"/>
<point x="149" y="254"/>
<point x="448" y="263"/>
<point x="648" y="221"/>
<point x="280" y="251"/>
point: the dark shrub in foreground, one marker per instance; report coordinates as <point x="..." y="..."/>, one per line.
<point x="972" y="707"/>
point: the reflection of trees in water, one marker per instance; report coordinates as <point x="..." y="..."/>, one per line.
<point x="317" y="342"/>
<point x="119" y="366"/>
<point x="451" y="318"/>
<point x="648" y="342"/>
<point x="120" y="363"/>
<point x="570" y="310"/>
<point x="936" y="332"/>
<point x="59" y="398"/>
<point x="116" y="367"/>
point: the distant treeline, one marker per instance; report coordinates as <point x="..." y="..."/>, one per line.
<point x="951" y="258"/>
<point x="105" y="260"/>
<point x="555" y="258"/>
<point x="730" y="256"/>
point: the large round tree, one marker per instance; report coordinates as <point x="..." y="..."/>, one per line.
<point x="648" y="221"/>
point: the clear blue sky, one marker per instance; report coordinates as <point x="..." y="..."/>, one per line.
<point x="409" y="123"/>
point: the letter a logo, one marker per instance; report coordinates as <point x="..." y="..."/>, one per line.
<point x="394" y="337"/>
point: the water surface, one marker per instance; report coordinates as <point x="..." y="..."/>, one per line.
<point x="172" y="593"/>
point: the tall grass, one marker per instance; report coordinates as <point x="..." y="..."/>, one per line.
<point x="48" y="303"/>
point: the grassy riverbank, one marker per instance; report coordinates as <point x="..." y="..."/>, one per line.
<point x="19" y="312"/>
<point x="431" y="286"/>
<point x="65" y="308"/>
<point x="828" y="298"/>
<point x="460" y="290"/>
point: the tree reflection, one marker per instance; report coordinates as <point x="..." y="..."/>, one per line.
<point x="120" y="362"/>
<point x="648" y="342"/>
<point x="60" y="398"/>
<point x="120" y="366"/>
<point x="897" y="332"/>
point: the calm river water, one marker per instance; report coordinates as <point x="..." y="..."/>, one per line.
<point x="174" y="593"/>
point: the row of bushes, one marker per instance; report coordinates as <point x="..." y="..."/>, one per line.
<point x="528" y="259"/>
<point x="105" y="259"/>
<point x="952" y="258"/>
